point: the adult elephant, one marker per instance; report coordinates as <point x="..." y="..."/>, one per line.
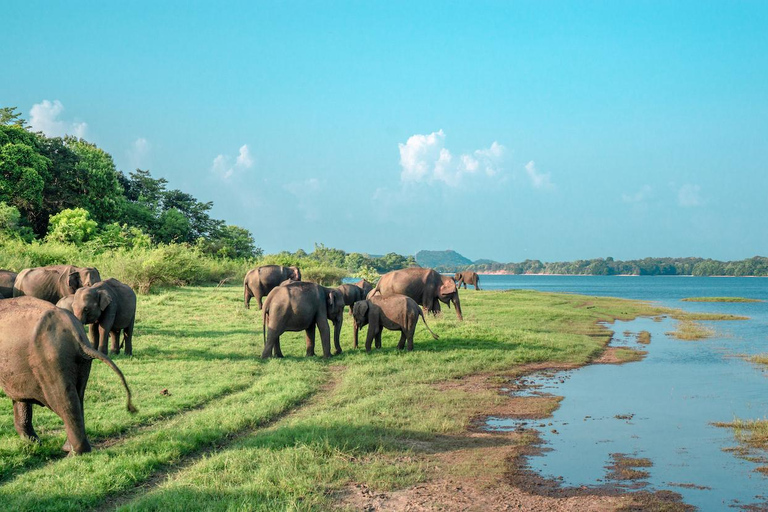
<point x="424" y="285"/>
<point x="299" y="306"/>
<point x="467" y="277"/>
<point x="354" y="292"/>
<point x="7" y="278"/>
<point x="45" y="359"/>
<point x="54" y="282"/>
<point x="111" y="307"/>
<point x="261" y="280"/>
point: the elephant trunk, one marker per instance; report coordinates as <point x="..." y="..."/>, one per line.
<point x="455" y="300"/>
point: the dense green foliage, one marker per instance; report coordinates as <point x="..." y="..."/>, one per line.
<point x="757" y="266"/>
<point x="215" y="416"/>
<point x="47" y="178"/>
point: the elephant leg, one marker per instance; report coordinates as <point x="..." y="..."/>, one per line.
<point x="259" y="298"/>
<point x="276" y="351"/>
<point x="401" y="343"/>
<point x="64" y="399"/>
<point x="273" y="339"/>
<point x="103" y="334"/>
<point x="247" y="297"/>
<point x="114" y="336"/>
<point x="354" y="335"/>
<point x="128" y="338"/>
<point x="22" y="420"/>
<point x="337" y="334"/>
<point x="325" y="336"/>
<point x="369" y="337"/>
<point x="310" y="334"/>
<point x="93" y="334"/>
<point x="378" y="338"/>
<point x="409" y="336"/>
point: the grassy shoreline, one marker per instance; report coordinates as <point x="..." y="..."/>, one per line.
<point x="218" y="428"/>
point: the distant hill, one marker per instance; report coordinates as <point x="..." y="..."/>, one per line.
<point x="444" y="261"/>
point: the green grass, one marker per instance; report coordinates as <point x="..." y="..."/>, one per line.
<point x="752" y="436"/>
<point x="720" y="299"/>
<point x="234" y="432"/>
<point x="691" y="331"/>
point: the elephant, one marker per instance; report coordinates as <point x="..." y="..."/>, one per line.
<point x="424" y="285"/>
<point x="394" y="312"/>
<point x="66" y="303"/>
<point x="260" y="281"/>
<point x="467" y="277"/>
<point x="355" y="292"/>
<point x="300" y="306"/>
<point x="45" y="359"/>
<point x="111" y="307"/>
<point x="7" y="278"/>
<point x="54" y="282"/>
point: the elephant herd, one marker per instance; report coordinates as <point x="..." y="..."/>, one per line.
<point x="45" y="355"/>
<point x="394" y="304"/>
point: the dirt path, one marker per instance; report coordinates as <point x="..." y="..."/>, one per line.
<point x="168" y="472"/>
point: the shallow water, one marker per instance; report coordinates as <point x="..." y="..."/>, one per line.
<point x="662" y="407"/>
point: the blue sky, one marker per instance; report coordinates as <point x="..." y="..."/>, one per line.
<point x="503" y="130"/>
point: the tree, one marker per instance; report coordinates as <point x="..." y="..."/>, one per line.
<point x="233" y="242"/>
<point x="102" y="192"/>
<point x="22" y="169"/>
<point x="72" y="226"/>
<point x="10" y="116"/>
<point x="174" y="227"/>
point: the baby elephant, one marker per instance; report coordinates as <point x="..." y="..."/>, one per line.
<point x="394" y="312"/>
<point x="111" y="307"/>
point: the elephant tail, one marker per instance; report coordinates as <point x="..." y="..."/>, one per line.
<point x="424" y="319"/>
<point x="264" y="320"/>
<point x="95" y="354"/>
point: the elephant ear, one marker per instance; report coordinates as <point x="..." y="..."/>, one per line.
<point x="360" y="309"/>
<point x="448" y="287"/>
<point x="69" y="281"/>
<point x="104" y="300"/>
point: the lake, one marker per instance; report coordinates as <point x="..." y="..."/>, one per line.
<point x="662" y="407"/>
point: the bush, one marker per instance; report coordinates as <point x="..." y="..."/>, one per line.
<point x="326" y="276"/>
<point x="72" y="225"/>
<point x="370" y="274"/>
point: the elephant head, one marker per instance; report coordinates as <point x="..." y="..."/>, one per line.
<point x="360" y="314"/>
<point x="449" y="293"/>
<point x="294" y="273"/>
<point x="365" y="285"/>
<point x="89" y="303"/>
<point x="89" y="276"/>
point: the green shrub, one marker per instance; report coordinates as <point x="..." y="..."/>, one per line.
<point x="326" y="276"/>
<point x="72" y="225"/>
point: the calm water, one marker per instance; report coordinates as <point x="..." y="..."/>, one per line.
<point x="666" y="402"/>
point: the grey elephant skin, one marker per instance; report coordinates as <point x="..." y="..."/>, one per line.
<point x="54" y="282"/>
<point x="467" y="277"/>
<point x="45" y="359"/>
<point x="262" y="280"/>
<point x="395" y="312"/>
<point x="111" y="307"/>
<point x="66" y="303"/>
<point x="298" y="306"/>
<point x="7" y="279"/>
<point x="424" y="285"/>
<point x="355" y="292"/>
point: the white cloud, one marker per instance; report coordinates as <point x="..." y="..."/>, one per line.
<point x="223" y="167"/>
<point x="689" y="195"/>
<point x="138" y="152"/>
<point x="425" y="158"/>
<point x="538" y="179"/>
<point x="639" y="196"/>
<point x="44" y="117"/>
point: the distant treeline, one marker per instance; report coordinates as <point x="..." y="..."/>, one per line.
<point x="757" y="266"/>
